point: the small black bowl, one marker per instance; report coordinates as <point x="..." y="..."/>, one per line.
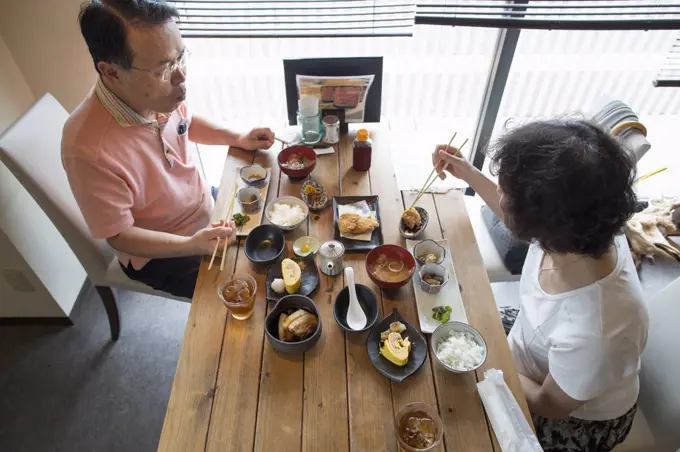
<point x="271" y="324"/>
<point x="258" y="253"/>
<point x="367" y="301"/>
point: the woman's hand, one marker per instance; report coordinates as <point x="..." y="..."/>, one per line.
<point x="449" y="159"/>
<point x="203" y="241"/>
<point x="260" y="138"/>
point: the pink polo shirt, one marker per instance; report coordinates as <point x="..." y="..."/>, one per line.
<point x="125" y="170"/>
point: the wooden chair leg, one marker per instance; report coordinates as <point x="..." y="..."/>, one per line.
<point x="109" y="301"/>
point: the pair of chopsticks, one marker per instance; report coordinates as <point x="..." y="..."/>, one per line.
<point x="648" y="175"/>
<point x="226" y="241"/>
<point x="430" y="179"/>
<point x="287" y="143"/>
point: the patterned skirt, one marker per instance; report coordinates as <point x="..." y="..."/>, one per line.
<point x="572" y="434"/>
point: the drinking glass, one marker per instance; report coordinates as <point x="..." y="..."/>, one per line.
<point x="242" y="309"/>
<point x="412" y="408"/>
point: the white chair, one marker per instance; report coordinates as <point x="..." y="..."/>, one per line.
<point x="31" y="150"/>
<point x="493" y="263"/>
<point x="657" y="423"/>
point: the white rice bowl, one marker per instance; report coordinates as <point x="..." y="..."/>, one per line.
<point x="286" y="215"/>
<point x="460" y="350"/>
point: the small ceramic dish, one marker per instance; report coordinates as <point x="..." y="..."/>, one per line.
<point x="416" y="357"/>
<point x="250" y="199"/>
<point x="253" y="175"/>
<point x="434" y="270"/>
<point x="309" y="278"/>
<point x="427" y="248"/>
<point x="415" y="233"/>
<point x="313" y="194"/>
<point x="304" y="246"/>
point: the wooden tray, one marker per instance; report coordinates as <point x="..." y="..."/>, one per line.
<point x="358" y="245"/>
<point x="448" y="295"/>
<point x="255" y="218"/>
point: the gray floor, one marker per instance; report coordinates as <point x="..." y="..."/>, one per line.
<point x="71" y="389"/>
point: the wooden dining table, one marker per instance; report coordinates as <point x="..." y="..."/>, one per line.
<point x="233" y="392"/>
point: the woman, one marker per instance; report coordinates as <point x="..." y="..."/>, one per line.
<point x="566" y="186"/>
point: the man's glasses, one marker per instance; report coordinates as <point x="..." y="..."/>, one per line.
<point x="169" y="69"/>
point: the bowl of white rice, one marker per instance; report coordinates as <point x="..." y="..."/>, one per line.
<point x="287" y="212"/>
<point x="458" y="347"/>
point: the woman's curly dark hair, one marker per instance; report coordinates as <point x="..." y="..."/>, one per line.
<point x="566" y="184"/>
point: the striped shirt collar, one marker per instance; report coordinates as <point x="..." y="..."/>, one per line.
<point x="122" y="112"/>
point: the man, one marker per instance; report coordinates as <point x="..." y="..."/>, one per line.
<point x="126" y="148"/>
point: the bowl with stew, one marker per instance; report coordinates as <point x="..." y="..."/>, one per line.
<point x="297" y="162"/>
<point x="390" y="266"/>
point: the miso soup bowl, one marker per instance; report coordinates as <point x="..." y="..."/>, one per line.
<point x="394" y="252"/>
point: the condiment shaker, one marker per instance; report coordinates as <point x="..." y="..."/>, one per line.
<point x="331" y="125"/>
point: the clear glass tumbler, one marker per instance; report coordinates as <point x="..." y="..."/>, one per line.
<point x="310" y="128"/>
<point x="413" y="413"/>
<point x="238" y="295"/>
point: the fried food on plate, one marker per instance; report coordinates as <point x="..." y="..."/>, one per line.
<point x="352" y="223"/>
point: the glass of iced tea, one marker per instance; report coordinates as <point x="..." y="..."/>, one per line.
<point x="238" y="294"/>
<point x="419" y="427"/>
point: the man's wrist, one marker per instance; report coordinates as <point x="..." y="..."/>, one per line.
<point x="185" y="245"/>
<point x="230" y="138"/>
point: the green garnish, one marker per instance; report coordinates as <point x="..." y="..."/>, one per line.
<point x="240" y="219"/>
<point x="442" y="313"/>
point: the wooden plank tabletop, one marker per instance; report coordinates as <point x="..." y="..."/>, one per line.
<point x="233" y="392"/>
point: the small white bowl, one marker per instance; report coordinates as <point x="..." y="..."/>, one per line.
<point x="429" y="247"/>
<point x="250" y="206"/>
<point x="443" y="331"/>
<point x="290" y="200"/>
<point x="436" y="270"/>
<point x="247" y="172"/>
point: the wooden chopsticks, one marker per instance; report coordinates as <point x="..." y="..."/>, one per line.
<point x="430" y="179"/>
<point x="226" y="241"/>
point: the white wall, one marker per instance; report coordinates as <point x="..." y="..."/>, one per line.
<point x="44" y="39"/>
<point x="39" y="275"/>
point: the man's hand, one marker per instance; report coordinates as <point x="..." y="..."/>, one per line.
<point x="260" y="138"/>
<point x="203" y="241"/>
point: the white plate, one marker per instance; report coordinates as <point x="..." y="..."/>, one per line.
<point x="448" y="295"/>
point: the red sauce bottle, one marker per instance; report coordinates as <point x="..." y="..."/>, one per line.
<point x="362" y="150"/>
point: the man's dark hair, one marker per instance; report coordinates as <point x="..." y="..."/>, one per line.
<point x="104" y="23"/>
<point x="566" y="184"/>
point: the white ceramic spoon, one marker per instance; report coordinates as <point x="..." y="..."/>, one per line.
<point x="356" y="318"/>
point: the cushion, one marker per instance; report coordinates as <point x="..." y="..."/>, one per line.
<point x="512" y="250"/>
<point x="495" y="268"/>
